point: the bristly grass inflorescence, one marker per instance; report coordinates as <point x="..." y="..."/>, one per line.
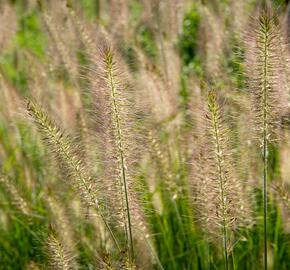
<point x="220" y="202"/>
<point x="60" y="145"/>
<point x="264" y="69"/>
<point x="120" y="137"/>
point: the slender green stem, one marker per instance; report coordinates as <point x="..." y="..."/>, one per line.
<point x="265" y="141"/>
<point x="276" y="241"/>
<point x="154" y="254"/>
<point x="233" y="260"/>
<point x="207" y="255"/>
<point x="225" y="239"/>
<point x="110" y="231"/>
<point x="265" y="160"/>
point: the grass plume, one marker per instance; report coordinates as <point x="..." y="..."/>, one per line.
<point x="283" y="194"/>
<point x="218" y="194"/>
<point x="15" y="196"/>
<point x="264" y="69"/>
<point x="59" y="258"/>
<point x="116" y="101"/>
<point x="55" y="138"/>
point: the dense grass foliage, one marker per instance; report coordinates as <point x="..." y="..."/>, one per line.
<point x="144" y="134"/>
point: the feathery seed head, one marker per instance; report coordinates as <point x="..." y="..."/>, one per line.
<point x="14" y="195"/>
<point x="61" y="147"/>
<point x="59" y="258"/>
<point x="264" y="72"/>
<point x="218" y="194"/>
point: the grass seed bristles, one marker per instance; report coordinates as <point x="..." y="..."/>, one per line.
<point x="60" y="145"/>
<point x="218" y="196"/>
<point x="15" y="197"/>
<point x="282" y="197"/>
<point x="117" y="122"/>
<point x="217" y="136"/>
<point x="59" y="258"/>
<point x="63" y="51"/>
<point x="63" y="227"/>
<point x="283" y="194"/>
<point x="263" y="81"/>
<point x="162" y="164"/>
<point x="82" y="30"/>
<point x="119" y="135"/>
